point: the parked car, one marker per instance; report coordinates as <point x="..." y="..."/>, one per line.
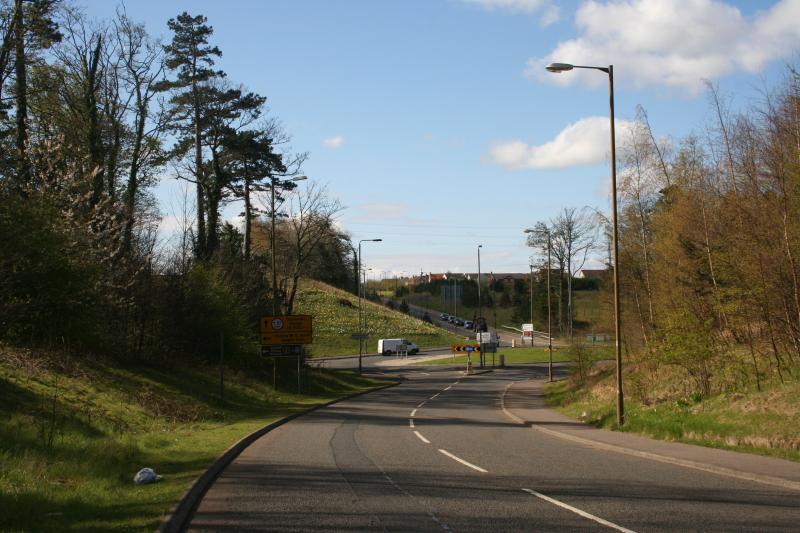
<point x="392" y="346"/>
<point x="468" y="324"/>
<point x="444" y="316"/>
<point x="458" y="322"/>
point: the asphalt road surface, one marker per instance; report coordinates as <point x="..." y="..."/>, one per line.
<point x="437" y="453"/>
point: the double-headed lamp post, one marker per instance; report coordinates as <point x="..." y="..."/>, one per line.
<point x="563" y="67"/>
<point x="360" y="307"/>
<point x="274" y="183"/>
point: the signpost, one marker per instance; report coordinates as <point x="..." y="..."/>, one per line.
<point x="468" y="349"/>
<point x="284" y="336"/>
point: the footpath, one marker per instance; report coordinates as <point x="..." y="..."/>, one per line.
<point x="524" y="403"/>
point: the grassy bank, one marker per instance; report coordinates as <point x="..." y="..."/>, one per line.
<point x="336" y="318"/>
<point x="765" y="422"/>
<point x="73" y="434"/>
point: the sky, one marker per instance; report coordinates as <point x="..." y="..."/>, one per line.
<point x="435" y="123"/>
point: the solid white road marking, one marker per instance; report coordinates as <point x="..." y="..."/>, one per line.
<point x="411" y="423"/>
<point x="435" y="395"/>
<point x="424" y="373"/>
<point x="423" y="439"/>
<point x="413" y="413"/>
<point x="420" y="405"/>
<point x="448" y="388"/>
<point x="462" y="461"/>
<point x="578" y="511"/>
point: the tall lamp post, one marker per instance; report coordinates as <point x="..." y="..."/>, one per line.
<point x="275" y="183"/>
<point x="549" y="312"/>
<point x="531" y="284"/>
<point x="609" y="70"/>
<point x="360" y="307"/>
<point x="480" y="304"/>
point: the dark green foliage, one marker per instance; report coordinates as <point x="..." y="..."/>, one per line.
<point x="45" y="290"/>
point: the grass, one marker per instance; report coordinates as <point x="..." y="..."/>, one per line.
<point x="73" y="433"/>
<point x="765" y="422"/>
<point x="512" y="356"/>
<point x="336" y="319"/>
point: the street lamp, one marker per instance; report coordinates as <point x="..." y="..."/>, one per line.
<point x="549" y="312"/>
<point x="563" y="67"/>
<point x="274" y="183"/>
<point x="531" y="284"/>
<point x="360" y="307"/>
<point x="480" y="304"/>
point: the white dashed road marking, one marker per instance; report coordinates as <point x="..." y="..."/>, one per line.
<point x="423" y="439"/>
<point x="462" y="461"/>
<point x="578" y="511"/>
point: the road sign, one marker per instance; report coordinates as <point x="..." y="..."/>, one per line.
<point x="281" y="350"/>
<point x="287" y="330"/>
<point x="465" y="348"/>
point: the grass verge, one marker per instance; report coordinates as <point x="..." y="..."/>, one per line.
<point x="73" y="433"/>
<point x="512" y="355"/>
<point x="764" y="422"/>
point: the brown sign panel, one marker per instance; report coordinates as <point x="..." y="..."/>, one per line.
<point x="288" y="329"/>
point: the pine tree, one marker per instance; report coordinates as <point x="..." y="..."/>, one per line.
<point x="191" y="57"/>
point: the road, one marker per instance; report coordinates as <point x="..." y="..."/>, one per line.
<point x="440" y="453"/>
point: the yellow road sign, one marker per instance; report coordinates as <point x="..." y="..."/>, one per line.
<point x="288" y="329"/>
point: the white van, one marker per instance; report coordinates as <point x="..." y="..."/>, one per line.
<point x="392" y="346"/>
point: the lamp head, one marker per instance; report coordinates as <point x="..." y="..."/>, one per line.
<point x="558" y="67"/>
<point x="299" y="178"/>
<point x="377" y="240"/>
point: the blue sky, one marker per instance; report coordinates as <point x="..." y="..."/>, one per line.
<point x="434" y="122"/>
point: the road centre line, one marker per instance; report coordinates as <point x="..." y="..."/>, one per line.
<point x="448" y="388"/>
<point x="435" y="395"/>
<point x="462" y="461"/>
<point x="411" y="423"/>
<point x="578" y="511"/>
<point x="420" y="405"/>
<point x="413" y="413"/>
<point x="423" y="439"/>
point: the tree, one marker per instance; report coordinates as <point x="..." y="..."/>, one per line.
<point x="32" y="28"/>
<point x="191" y="58"/>
<point x="574" y="232"/>
<point x="142" y="69"/>
<point x="309" y="223"/>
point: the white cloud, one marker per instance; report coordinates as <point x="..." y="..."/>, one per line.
<point x="585" y="142"/>
<point x="549" y="12"/>
<point x="334" y="142"/>
<point x="675" y="43"/>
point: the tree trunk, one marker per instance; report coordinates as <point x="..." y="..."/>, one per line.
<point x="248" y="217"/>
<point x="23" y="168"/>
<point x="133" y="176"/>
<point x="200" y="246"/>
<point x="93" y="134"/>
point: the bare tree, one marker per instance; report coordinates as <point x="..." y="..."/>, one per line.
<point x="576" y="232"/>
<point x="310" y="221"/>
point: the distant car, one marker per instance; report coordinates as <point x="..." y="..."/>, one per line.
<point x="452" y="319"/>
<point x="458" y="322"/>
<point x="444" y="316"/>
<point x="468" y="324"/>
